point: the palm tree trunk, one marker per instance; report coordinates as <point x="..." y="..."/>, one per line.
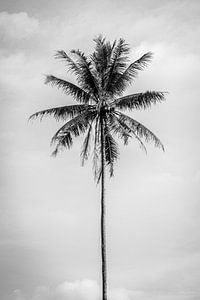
<point x="103" y="225"/>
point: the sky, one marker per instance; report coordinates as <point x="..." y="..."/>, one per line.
<point x="50" y="207"/>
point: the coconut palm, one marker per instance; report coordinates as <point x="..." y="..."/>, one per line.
<point x="102" y="78"/>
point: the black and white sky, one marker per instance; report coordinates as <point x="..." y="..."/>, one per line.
<point x="49" y="208"/>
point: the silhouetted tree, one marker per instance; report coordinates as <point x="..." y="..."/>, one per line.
<point x="102" y="78"/>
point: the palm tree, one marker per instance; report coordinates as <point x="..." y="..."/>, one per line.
<point x="102" y="78"/>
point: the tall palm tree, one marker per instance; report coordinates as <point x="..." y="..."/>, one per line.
<point x="102" y="78"/>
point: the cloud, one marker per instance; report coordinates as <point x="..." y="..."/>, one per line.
<point x="17" y="26"/>
<point x="87" y="289"/>
<point x="17" y="295"/>
<point x="81" y="289"/>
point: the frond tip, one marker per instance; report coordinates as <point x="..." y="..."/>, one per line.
<point x="69" y="88"/>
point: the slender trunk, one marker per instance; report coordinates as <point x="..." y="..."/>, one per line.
<point x="103" y="225"/>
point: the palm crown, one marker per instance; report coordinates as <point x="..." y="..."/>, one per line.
<point x="102" y="78"/>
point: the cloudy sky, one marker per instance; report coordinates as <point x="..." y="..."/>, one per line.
<point x="49" y="208"/>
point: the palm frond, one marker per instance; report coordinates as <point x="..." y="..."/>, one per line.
<point x="73" y="67"/>
<point x="86" y="145"/>
<point x="96" y="152"/>
<point x="140" y="63"/>
<point x="124" y="131"/>
<point x="73" y="128"/>
<point x="130" y="132"/>
<point x="101" y="59"/>
<point x="142" y="145"/>
<point x="69" y="88"/>
<point x="111" y="149"/>
<point x="102" y="54"/>
<point x="121" y="130"/>
<point x="119" y="57"/>
<point x="139" y="100"/>
<point x="86" y="78"/>
<point x="117" y="66"/>
<point x="140" y="130"/>
<point x="62" y="112"/>
<point x="131" y="73"/>
<point x="66" y="141"/>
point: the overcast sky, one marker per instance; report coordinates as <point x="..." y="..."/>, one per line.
<point x="49" y="208"/>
